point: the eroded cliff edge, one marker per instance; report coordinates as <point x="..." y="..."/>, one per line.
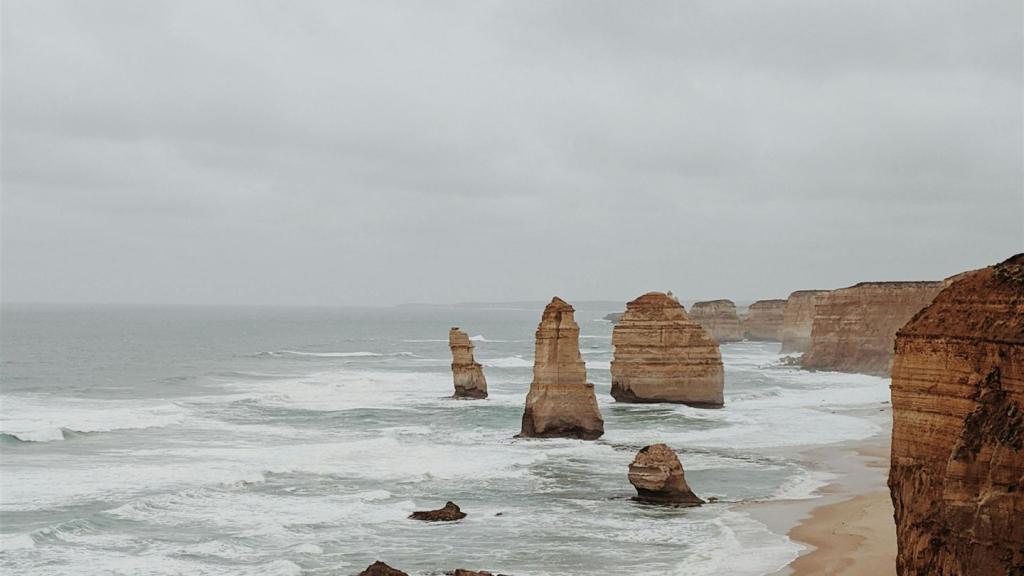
<point x="798" y="319"/>
<point x="764" y="320"/>
<point x="719" y="318"/>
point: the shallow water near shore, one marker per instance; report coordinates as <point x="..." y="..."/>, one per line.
<point x="297" y="441"/>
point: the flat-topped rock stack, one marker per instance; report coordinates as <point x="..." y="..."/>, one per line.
<point x="466" y="372"/>
<point x="561" y="403"/>
<point x="719" y="318"/>
<point x="798" y="319"/>
<point x="957" y="472"/>
<point x="657" y="475"/>
<point x="764" y="321"/>
<point x="663" y="356"/>
<point x="855" y="328"/>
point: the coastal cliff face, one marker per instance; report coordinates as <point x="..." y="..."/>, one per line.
<point x="719" y="318"/>
<point x="798" y="319"/>
<point x="957" y="475"/>
<point x="764" y="320"/>
<point x="854" y="328"/>
<point x="467" y="373"/>
<point x="663" y="356"/>
<point x="561" y="403"/>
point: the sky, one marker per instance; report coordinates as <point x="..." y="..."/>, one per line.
<point x="376" y="153"/>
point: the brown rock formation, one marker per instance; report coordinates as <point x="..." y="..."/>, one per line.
<point x="379" y="568"/>
<point x="657" y="475"/>
<point x="561" y="403"/>
<point x="854" y="328"/>
<point x="764" y="320"/>
<point x="449" y="513"/>
<point x="957" y="475"/>
<point x="798" y="319"/>
<point x="719" y="318"/>
<point x="663" y="356"/>
<point x="468" y="374"/>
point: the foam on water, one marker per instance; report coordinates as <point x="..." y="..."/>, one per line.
<point x="45" y="419"/>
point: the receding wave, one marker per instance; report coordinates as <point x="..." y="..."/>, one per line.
<point x="39" y="420"/>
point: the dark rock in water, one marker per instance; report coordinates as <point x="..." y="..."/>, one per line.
<point x="657" y="475"/>
<point x="379" y="568"/>
<point x="614" y="317"/>
<point x="449" y="513"/>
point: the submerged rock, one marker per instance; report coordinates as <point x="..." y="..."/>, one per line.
<point x="657" y="475"/>
<point x="379" y="568"/>
<point x="449" y="513"/>
<point x="719" y="318"/>
<point x="467" y="373"/>
<point x="798" y="319"/>
<point x="764" y="321"/>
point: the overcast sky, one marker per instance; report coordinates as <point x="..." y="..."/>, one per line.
<point x="306" y="152"/>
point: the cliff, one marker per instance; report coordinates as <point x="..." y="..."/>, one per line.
<point x="854" y="328"/>
<point x="764" y="320"/>
<point x="561" y="403"/>
<point x="663" y="356"/>
<point x="466" y="372"/>
<point x="957" y="475"/>
<point x="798" y="319"/>
<point x="719" y="318"/>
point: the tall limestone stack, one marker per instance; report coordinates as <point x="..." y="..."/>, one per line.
<point x="663" y="356"/>
<point x="561" y="403"/>
<point x="719" y="318"/>
<point x="957" y="475"/>
<point x="854" y="328"/>
<point x="798" y="319"/>
<point x="467" y="373"/>
<point x="764" y="320"/>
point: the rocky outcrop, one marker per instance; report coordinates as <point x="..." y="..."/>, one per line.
<point x="613" y="317"/>
<point x="561" y="403"/>
<point x="764" y="321"/>
<point x="467" y="372"/>
<point x="798" y="319"/>
<point x="663" y="356"/>
<point x="957" y="475"/>
<point x="854" y="328"/>
<point x="719" y="318"/>
<point x="449" y="513"/>
<point x="657" y="475"/>
<point x="379" y="568"/>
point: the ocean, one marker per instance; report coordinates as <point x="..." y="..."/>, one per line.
<point x="233" y="440"/>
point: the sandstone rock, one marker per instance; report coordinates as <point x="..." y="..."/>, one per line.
<point x="764" y="321"/>
<point x="449" y="513"/>
<point x="379" y="568"/>
<point x="719" y="318"/>
<point x="561" y="403"/>
<point x="657" y="475"/>
<point x="663" y="356"/>
<point x="855" y="328"/>
<point x="467" y="373"/>
<point x="798" y="319"/>
<point x="957" y="474"/>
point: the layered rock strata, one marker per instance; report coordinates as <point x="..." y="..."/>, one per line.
<point x="719" y="318"/>
<point x="657" y="475"/>
<point x="561" y="403"/>
<point x="854" y="328"/>
<point x="449" y="513"/>
<point x="957" y="474"/>
<point x="467" y="372"/>
<point x="663" y="356"/>
<point x="798" y="319"/>
<point x="764" y="321"/>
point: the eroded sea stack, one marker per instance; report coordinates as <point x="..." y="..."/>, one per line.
<point x="854" y="328"/>
<point x="798" y="319"/>
<point x="657" y="475"/>
<point x="719" y="318"/>
<point x="663" y="356"/>
<point x="957" y="474"/>
<point x="561" y="403"/>
<point x="467" y="372"/>
<point x="764" y="321"/>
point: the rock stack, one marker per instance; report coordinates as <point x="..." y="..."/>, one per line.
<point x="663" y="356"/>
<point x="719" y="318"/>
<point x="467" y="373"/>
<point x="561" y="403"/>
<point x="957" y="475"/>
<point x="657" y="475"/>
<point x="764" y="320"/>
<point x="449" y="513"/>
<point x="798" y="319"/>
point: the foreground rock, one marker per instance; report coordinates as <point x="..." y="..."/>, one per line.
<point x="957" y="475"/>
<point x="467" y="373"/>
<point x="798" y="319"/>
<point x="663" y="356"/>
<point x="379" y="568"/>
<point x="764" y="321"/>
<point x="855" y="328"/>
<point x="561" y="403"/>
<point x="719" y="318"/>
<point x="449" y="513"/>
<point x="657" y="475"/>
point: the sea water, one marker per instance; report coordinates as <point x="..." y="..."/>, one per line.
<point x="202" y="440"/>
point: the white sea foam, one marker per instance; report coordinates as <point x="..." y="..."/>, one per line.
<point x="44" y="418"/>
<point x="507" y="362"/>
<point x="360" y="354"/>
